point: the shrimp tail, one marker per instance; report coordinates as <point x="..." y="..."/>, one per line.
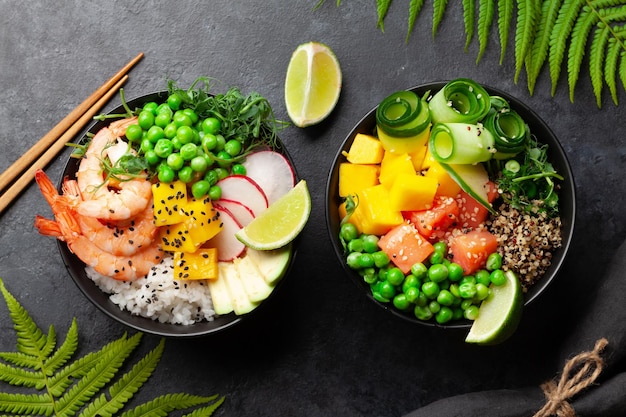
<point x="48" y="227"/>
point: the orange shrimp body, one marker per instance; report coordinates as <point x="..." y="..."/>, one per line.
<point x="99" y="199"/>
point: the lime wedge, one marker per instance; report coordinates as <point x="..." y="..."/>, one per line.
<point x="312" y="84"/>
<point x="281" y="222"/>
<point x="500" y="314"/>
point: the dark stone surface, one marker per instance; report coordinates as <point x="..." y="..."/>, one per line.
<point x="322" y="349"/>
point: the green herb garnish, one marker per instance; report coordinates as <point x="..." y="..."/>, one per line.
<point x="54" y="386"/>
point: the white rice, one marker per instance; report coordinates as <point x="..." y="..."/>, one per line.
<point x="158" y="296"/>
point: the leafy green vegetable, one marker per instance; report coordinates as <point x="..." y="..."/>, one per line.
<point x="547" y="30"/>
<point x="86" y="386"/>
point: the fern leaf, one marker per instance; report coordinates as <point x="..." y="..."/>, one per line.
<point x="622" y="69"/>
<point x="20" y="377"/>
<point x="161" y="406"/>
<point x="597" y="52"/>
<point x="206" y="411"/>
<point x="568" y="13"/>
<point x="382" y="6"/>
<point x="469" y="12"/>
<point x="95" y="379"/>
<point x="486" y="9"/>
<point x="505" y="15"/>
<point x="64" y="352"/>
<point x="21" y="359"/>
<point x="586" y="20"/>
<point x="439" y="9"/>
<point x="541" y="42"/>
<point x="26" y="404"/>
<point x="30" y="339"/>
<point x="524" y="31"/>
<point x="610" y="68"/>
<point x="124" y="389"/>
<point x="415" y="6"/>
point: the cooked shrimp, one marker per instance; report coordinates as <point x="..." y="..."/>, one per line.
<point x="123" y="268"/>
<point x="99" y="200"/>
<point x="115" y="238"/>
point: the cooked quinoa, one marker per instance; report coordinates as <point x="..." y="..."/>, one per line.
<point x="526" y="242"/>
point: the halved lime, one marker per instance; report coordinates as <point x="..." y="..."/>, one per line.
<point x="312" y="84"/>
<point x="500" y="314"/>
<point x="281" y="222"/>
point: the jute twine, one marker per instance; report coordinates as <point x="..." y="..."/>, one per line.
<point x="579" y="373"/>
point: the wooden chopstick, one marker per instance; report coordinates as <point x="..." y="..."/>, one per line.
<point x="28" y="175"/>
<point x="49" y="138"/>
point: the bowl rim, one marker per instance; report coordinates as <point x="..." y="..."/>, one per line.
<point x="366" y="124"/>
<point x="76" y="268"/>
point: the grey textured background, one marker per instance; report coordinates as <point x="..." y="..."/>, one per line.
<point x="324" y="350"/>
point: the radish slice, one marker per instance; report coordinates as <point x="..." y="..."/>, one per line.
<point x="241" y="213"/>
<point x="272" y="171"/>
<point x="244" y="190"/>
<point x="228" y="247"/>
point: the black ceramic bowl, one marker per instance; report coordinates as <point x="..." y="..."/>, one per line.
<point x="101" y="300"/>
<point x="555" y="154"/>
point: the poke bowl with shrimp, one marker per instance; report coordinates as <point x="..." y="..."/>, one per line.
<point x="150" y="204"/>
<point x="444" y="192"/>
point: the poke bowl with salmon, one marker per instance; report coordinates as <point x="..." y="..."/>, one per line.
<point x="151" y="210"/>
<point x="444" y="193"/>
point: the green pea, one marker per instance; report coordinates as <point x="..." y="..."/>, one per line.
<point x="146" y="146"/>
<point x="369" y="275"/>
<point x="381" y="258"/>
<point x="434" y="307"/>
<point x="395" y="276"/>
<point x="174" y="101"/>
<point x="211" y="125"/>
<point x="498" y="277"/>
<point x="170" y="130"/>
<point x="370" y="243"/>
<point x="221" y="141"/>
<point x="455" y="272"/>
<point x="430" y="289"/>
<point x="444" y="315"/>
<point x="188" y="151"/>
<point x="471" y="313"/>
<point x="422" y="313"/>
<point x="185" y="174"/>
<point x="438" y="272"/>
<point x="211" y="177"/>
<point x="412" y="294"/>
<point x="209" y="142"/>
<point x="224" y="159"/>
<point x="419" y="270"/>
<point x="467" y="290"/>
<point x="356" y="245"/>
<point x="440" y="247"/>
<point x="200" y="188"/>
<point x="162" y="119"/>
<point x="165" y="173"/>
<point x="482" y="291"/>
<point x="134" y="133"/>
<point x="483" y="277"/>
<point x="163" y="148"/>
<point x="164" y="108"/>
<point x="352" y="260"/>
<point x="232" y="147"/>
<point x="192" y="115"/>
<point x="410" y="281"/>
<point x="465" y="304"/>
<point x="221" y="173"/>
<point x="151" y="106"/>
<point x="151" y="157"/>
<point x="181" y="119"/>
<point x="175" y="161"/>
<point x="494" y="261"/>
<point x="155" y="133"/>
<point x="215" y="192"/>
<point x="387" y="290"/>
<point x="468" y="279"/>
<point x="366" y="260"/>
<point x="198" y="164"/>
<point x="422" y="300"/>
<point x="238" y="169"/>
<point x="445" y="298"/>
<point x="185" y="134"/>
<point x="145" y="119"/>
<point x="348" y="231"/>
<point x="436" y="258"/>
<point x="454" y="289"/>
<point x="401" y="302"/>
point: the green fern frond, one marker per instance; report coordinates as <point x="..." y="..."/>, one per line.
<point x="610" y="68"/>
<point x="415" y="6"/>
<point x="68" y="388"/>
<point x="26" y="404"/>
<point x="382" y="6"/>
<point x="597" y="52"/>
<point x="559" y="38"/>
<point x="622" y="68"/>
<point x="469" y="12"/>
<point x="439" y="10"/>
<point x="527" y="14"/>
<point x="505" y="16"/>
<point x="124" y="389"/>
<point x="541" y="43"/>
<point x="486" y="10"/>
<point x="161" y="406"/>
<point x="585" y="22"/>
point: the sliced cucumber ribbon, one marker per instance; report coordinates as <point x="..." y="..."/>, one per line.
<point x="403" y="122"/>
<point x="510" y="132"/>
<point x="461" y="143"/>
<point x="460" y="101"/>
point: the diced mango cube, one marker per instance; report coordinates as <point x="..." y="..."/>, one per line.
<point x="392" y="165"/>
<point x="355" y="177"/>
<point x="417" y="157"/>
<point x="175" y="238"/>
<point x="412" y="192"/>
<point x="365" y="149"/>
<point x="199" y="265"/>
<point x="202" y="220"/>
<point x="428" y="160"/>
<point x="168" y="200"/>
<point x="373" y="212"/>
<point x="447" y="186"/>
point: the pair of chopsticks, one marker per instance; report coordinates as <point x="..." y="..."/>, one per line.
<point x="38" y="156"/>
